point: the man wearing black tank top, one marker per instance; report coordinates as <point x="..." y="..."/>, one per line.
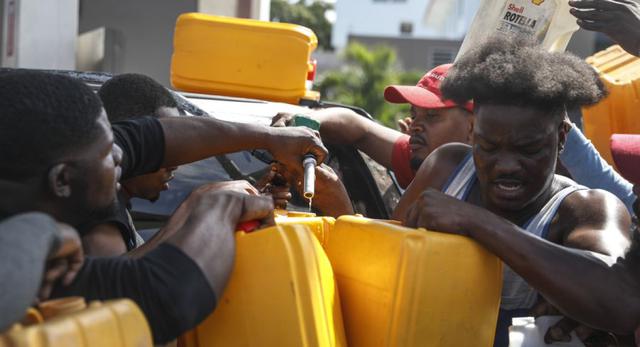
<point x="521" y="95"/>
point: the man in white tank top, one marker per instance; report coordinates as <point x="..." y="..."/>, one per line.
<point x="505" y="184"/>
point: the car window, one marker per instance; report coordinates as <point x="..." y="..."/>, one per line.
<point x="385" y="181"/>
<point x="370" y="186"/>
<point x="248" y="165"/>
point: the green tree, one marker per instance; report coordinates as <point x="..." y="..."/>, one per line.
<point x="362" y="79"/>
<point x="311" y="16"/>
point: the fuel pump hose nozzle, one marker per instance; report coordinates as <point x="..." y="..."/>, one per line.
<point x="309" y="164"/>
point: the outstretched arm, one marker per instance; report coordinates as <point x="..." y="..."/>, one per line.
<point x="587" y="167"/>
<point x="343" y="126"/>
<point x="583" y="284"/>
<point x="188" y="139"/>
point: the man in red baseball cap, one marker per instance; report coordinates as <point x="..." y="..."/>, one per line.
<point x="435" y="121"/>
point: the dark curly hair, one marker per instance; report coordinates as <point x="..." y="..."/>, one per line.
<point x="134" y="95"/>
<point x="513" y="70"/>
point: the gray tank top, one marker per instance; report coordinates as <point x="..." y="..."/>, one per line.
<point x="516" y="293"/>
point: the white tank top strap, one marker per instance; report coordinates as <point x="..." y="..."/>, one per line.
<point x="516" y="292"/>
<point x="539" y="224"/>
<point x="461" y="179"/>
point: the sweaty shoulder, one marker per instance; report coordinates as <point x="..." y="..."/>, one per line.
<point x="433" y="173"/>
<point x="440" y="164"/>
<point x="104" y="240"/>
<point x="595" y="220"/>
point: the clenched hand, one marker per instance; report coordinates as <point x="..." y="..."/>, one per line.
<point x="64" y="262"/>
<point x="289" y="145"/>
<point x="437" y="211"/>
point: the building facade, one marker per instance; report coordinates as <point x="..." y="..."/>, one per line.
<point x="424" y="33"/>
<point x="104" y="35"/>
<point x="417" y="19"/>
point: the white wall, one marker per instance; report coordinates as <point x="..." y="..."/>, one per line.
<point x="221" y="8"/>
<point x="432" y="19"/>
<point x="259" y="8"/>
<point x="44" y="34"/>
<point x="140" y="32"/>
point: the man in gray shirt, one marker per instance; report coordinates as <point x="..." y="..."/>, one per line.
<point x="35" y="251"/>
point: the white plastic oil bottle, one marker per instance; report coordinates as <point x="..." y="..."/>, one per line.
<point x="549" y="21"/>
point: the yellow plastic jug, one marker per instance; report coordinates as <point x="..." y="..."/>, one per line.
<point x="117" y="323"/>
<point x="281" y="293"/>
<point x="58" y="307"/>
<point x="320" y="226"/>
<point x="549" y="21"/>
<point x="243" y="58"/>
<point x="408" y="287"/>
<point x="618" y="112"/>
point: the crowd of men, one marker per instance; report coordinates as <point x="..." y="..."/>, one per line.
<point x="478" y="157"/>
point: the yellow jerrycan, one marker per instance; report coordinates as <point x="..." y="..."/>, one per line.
<point x="549" y="21"/>
<point x="320" y="226"/>
<point x="408" y="287"/>
<point x="69" y="323"/>
<point x="618" y="112"/>
<point x="243" y="57"/>
<point x="281" y="293"/>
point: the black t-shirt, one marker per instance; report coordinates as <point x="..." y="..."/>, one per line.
<point x="166" y="284"/>
<point x="142" y="143"/>
<point x="121" y="219"/>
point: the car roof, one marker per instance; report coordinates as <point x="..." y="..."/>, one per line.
<point x="241" y="110"/>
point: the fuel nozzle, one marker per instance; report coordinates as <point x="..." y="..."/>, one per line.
<point x="309" y="164"/>
<point x="309" y="161"/>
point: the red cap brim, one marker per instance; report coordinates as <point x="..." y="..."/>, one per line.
<point x="415" y="96"/>
<point x="625" y="150"/>
<point x="419" y="97"/>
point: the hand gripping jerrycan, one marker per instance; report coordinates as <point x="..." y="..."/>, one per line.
<point x="549" y="21"/>
<point x="281" y="293"/>
<point x="411" y="287"/>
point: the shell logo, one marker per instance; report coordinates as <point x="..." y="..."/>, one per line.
<point x="537" y="2"/>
